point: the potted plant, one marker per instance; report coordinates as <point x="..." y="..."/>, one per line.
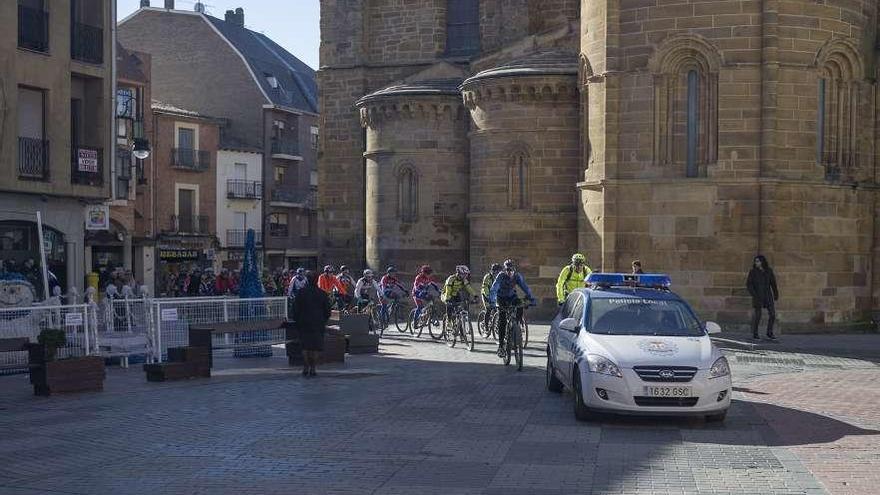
<point x="74" y="374"/>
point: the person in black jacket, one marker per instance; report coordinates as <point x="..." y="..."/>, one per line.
<point x="312" y="310"/>
<point x="762" y="287"/>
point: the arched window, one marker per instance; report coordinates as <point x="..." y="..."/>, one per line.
<point x="407" y="194"/>
<point x="518" y="181"/>
<point x="685" y="71"/>
<point x="462" y="27"/>
<point x="837" y="128"/>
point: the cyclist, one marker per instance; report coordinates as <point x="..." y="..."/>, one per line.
<point x="348" y="282"/>
<point x="484" y="290"/>
<point x="296" y="283"/>
<point x="423" y="286"/>
<point x="392" y="288"/>
<point x="452" y="296"/>
<point x="366" y="290"/>
<point x="328" y="282"/>
<point x="572" y="277"/>
<point x="503" y="294"/>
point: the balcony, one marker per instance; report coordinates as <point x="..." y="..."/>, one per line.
<point x="86" y="43"/>
<point x="33" y="29"/>
<point x="236" y="238"/>
<point x="278" y="230"/>
<point x="87" y="166"/>
<point x="192" y="224"/>
<point x="33" y="158"/>
<point x="285" y="149"/>
<point x="244" y="189"/>
<point x="189" y="159"/>
<point x="294" y="199"/>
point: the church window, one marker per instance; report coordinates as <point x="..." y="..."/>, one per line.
<point x="686" y="105"/>
<point x="518" y="182"/>
<point x="840" y="73"/>
<point x="408" y="195"/>
<point x="462" y="27"/>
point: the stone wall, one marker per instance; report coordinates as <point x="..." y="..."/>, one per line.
<point x="417" y="183"/>
<point x="533" y="219"/>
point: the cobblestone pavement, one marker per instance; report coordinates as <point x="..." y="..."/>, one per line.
<point x="424" y="419"/>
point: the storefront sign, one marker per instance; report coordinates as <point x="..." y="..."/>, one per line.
<point x="73" y="319"/>
<point x="169" y="314"/>
<point x="87" y="160"/>
<point x="98" y="217"/>
<point x="179" y="254"/>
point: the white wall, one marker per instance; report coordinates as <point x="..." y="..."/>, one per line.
<point x="226" y="207"/>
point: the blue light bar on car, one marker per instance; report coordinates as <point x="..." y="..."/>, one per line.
<point x="647" y="280"/>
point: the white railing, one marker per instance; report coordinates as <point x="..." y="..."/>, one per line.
<point x="173" y="317"/>
<point x="76" y="320"/>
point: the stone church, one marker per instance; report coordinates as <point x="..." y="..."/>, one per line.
<point x="691" y="135"/>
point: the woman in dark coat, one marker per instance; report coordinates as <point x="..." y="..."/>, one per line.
<point x="312" y="310"/>
<point x="762" y="287"/>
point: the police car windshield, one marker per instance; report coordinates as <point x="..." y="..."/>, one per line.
<point x="635" y="316"/>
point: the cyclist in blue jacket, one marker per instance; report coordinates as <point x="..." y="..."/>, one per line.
<point x="503" y="294"/>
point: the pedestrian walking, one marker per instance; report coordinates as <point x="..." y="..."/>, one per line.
<point x="312" y="310"/>
<point x="761" y="284"/>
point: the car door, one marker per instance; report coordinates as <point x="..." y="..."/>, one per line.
<point x="566" y="340"/>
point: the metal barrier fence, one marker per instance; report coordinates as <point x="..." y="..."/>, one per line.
<point x="173" y="317"/>
<point x="131" y="327"/>
<point x="76" y="320"/>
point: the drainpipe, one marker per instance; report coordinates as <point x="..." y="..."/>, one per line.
<point x="113" y="102"/>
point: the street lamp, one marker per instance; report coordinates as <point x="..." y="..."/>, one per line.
<point x="141" y="149"/>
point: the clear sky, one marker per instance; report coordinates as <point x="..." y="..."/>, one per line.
<point x="293" y="24"/>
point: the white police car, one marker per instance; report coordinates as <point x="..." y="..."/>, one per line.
<point x="627" y="344"/>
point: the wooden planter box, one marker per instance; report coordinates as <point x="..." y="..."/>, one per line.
<point x="83" y="374"/>
<point x="363" y="344"/>
<point x="334" y="349"/>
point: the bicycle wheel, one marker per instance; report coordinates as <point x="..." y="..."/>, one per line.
<point x="525" y="333"/>
<point x="493" y="325"/>
<point x="397" y="312"/>
<point x="481" y="323"/>
<point x="516" y="345"/>
<point x="507" y="347"/>
<point x="376" y="315"/>
<point x="451" y="334"/>
<point x="469" y="334"/>
<point x="437" y="330"/>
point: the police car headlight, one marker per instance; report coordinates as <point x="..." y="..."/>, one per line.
<point x="719" y="368"/>
<point x="602" y="365"/>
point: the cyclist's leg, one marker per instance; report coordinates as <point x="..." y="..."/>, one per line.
<point x="499" y="329"/>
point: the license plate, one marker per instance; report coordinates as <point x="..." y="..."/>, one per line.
<point x="668" y="391"/>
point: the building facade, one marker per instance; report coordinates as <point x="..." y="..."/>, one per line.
<point x="239" y="203"/>
<point x="691" y="136"/>
<point x="268" y="98"/>
<point x="185" y="198"/>
<point x="56" y="137"/>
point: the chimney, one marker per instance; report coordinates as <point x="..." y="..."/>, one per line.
<point x="199" y="7"/>
<point x="169" y="4"/>
<point x="235" y="17"/>
<point x="145" y="3"/>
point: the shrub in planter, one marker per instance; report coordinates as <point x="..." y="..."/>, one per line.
<point x="51" y="339"/>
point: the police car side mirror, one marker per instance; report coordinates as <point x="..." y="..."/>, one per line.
<point x="712" y="327"/>
<point x="570" y="325"/>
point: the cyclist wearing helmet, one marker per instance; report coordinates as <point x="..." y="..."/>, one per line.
<point x="452" y="296"/>
<point x="572" y="277"/>
<point x="367" y="289"/>
<point x="328" y="282"/>
<point x="348" y="282"/>
<point x="296" y="283"/>
<point x="392" y="289"/>
<point x="487" y="285"/>
<point x="424" y="288"/>
<point x="503" y="294"/>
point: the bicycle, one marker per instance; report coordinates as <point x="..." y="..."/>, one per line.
<point x="428" y="317"/>
<point x="488" y="332"/>
<point x="513" y="341"/>
<point x="462" y="327"/>
<point x="395" y="313"/>
<point x="378" y="321"/>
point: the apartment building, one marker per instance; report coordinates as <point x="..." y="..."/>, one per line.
<point x="56" y="89"/>
<point x="268" y="98"/>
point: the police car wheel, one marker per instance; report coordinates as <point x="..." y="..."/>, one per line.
<point x="581" y="412"/>
<point x="553" y="383"/>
